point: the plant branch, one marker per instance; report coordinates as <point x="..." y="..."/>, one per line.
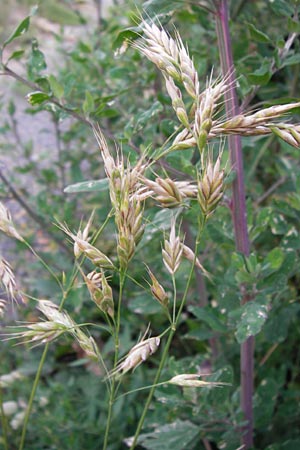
<point x="37" y="218"/>
<point x="238" y="208"/>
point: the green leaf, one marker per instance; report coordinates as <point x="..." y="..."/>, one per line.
<point x="56" y="88"/>
<point x="252" y="320"/>
<point x="179" y="435"/>
<point x="16" y="55"/>
<point x="21" y="28"/>
<point x="282" y="7"/>
<point x="36" y="62"/>
<point x="88" y="186"/>
<point x="162" y="7"/>
<point x="127" y="35"/>
<point x="88" y="104"/>
<point x="208" y="315"/>
<point x="291" y="60"/>
<point x="261" y="76"/>
<point x="275" y="258"/>
<point x="37" y="98"/>
<point x="258" y="35"/>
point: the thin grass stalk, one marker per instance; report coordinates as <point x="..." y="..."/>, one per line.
<point x="32" y="395"/>
<point x="3" y="421"/>
<point x="112" y="392"/>
<point x="44" y="354"/>
<point x="169" y="341"/>
<point x="238" y="209"/>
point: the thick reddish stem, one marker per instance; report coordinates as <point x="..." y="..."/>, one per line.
<point x="239" y="215"/>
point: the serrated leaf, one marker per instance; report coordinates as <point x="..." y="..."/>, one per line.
<point x="252" y="320"/>
<point x="258" y="35"/>
<point x="178" y="435"/>
<point x="88" y="186"/>
<point x="56" y="88"/>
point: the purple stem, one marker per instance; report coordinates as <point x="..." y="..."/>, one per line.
<point x="239" y="215"/>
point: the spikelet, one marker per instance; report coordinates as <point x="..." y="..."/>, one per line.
<point x="157" y="290"/>
<point x="95" y="255"/>
<point x="211" y="186"/>
<point x="6" y="224"/>
<point x="167" y="192"/>
<point x="172" y="251"/>
<point x="192" y="380"/>
<point x="83" y="235"/>
<point x="100" y="291"/>
<point x="136" y="356"/>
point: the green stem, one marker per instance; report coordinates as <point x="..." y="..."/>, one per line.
<point x="32" y="395"/>
<point x="169" y="341"/>
<point x="3" y="421"/>
<point x="113" y="389"/>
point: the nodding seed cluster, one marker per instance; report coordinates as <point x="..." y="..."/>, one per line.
<point x="57" y="323"/>
<point x="123" y="184"/>
<point x="7" y="225"/>
<point x="137" y="355"/>
<point x="100" y="291"/>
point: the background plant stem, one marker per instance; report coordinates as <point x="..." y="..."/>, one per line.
<point x="238" y="208"/>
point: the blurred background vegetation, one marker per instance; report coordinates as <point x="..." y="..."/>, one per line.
<point x="71" y="55"/>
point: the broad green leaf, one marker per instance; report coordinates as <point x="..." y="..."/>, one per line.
<point x="275" y="258"/>
<point x="125" y="36"/>
<point x="88" y="186"/>
<point x="37" y="98"/>
<point x="252" y="320"/>
<point x="21" y="28"/>
<point x="147" y="115"/>
<point x="258" y="35"/>
<point x="264" y="402"/>
<point x="179" y="435"/>
<point x="36" y="62"/>
<point x="261" y="76"/>
<point x="291" y="60"/>
<point x="56" y="88"/>
<point x="88" y="104"/>
<point x="282" y="7"/>
<point x="208" y="315"/>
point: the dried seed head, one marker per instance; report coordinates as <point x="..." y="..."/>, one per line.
<point x="137" y="355"/>
<point x="8" y="281"/>
<point x="210" y="187"/>
<point x="192" y="380"/>
<point x="172" y="251"/>
<point x="6" y="224"/>
<point x="190" y="256"/>
<point x="100" y="291"/>
<point x="158" y="291"/>
<point x="83" y="235"/>
<point x="177" y="102"/>
<point x="96" y="256"/>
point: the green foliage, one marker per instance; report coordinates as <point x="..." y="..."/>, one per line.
<point x="62" y="178"/>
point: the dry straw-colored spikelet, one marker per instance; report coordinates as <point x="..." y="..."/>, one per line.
<point x="157" y="290"/>
<point x="100" y="291"/>
<point x="192" y="380"/>
<point x="172" y="251"/>
<point x="8" y="282"/>
<point x="136" y="356"/>
<point x="169" y="193"/>
<point x="210" y="186"/>
<point x="57" y="323"/>
<point x="97" y="257"/>
<point x="7" y="225"/>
